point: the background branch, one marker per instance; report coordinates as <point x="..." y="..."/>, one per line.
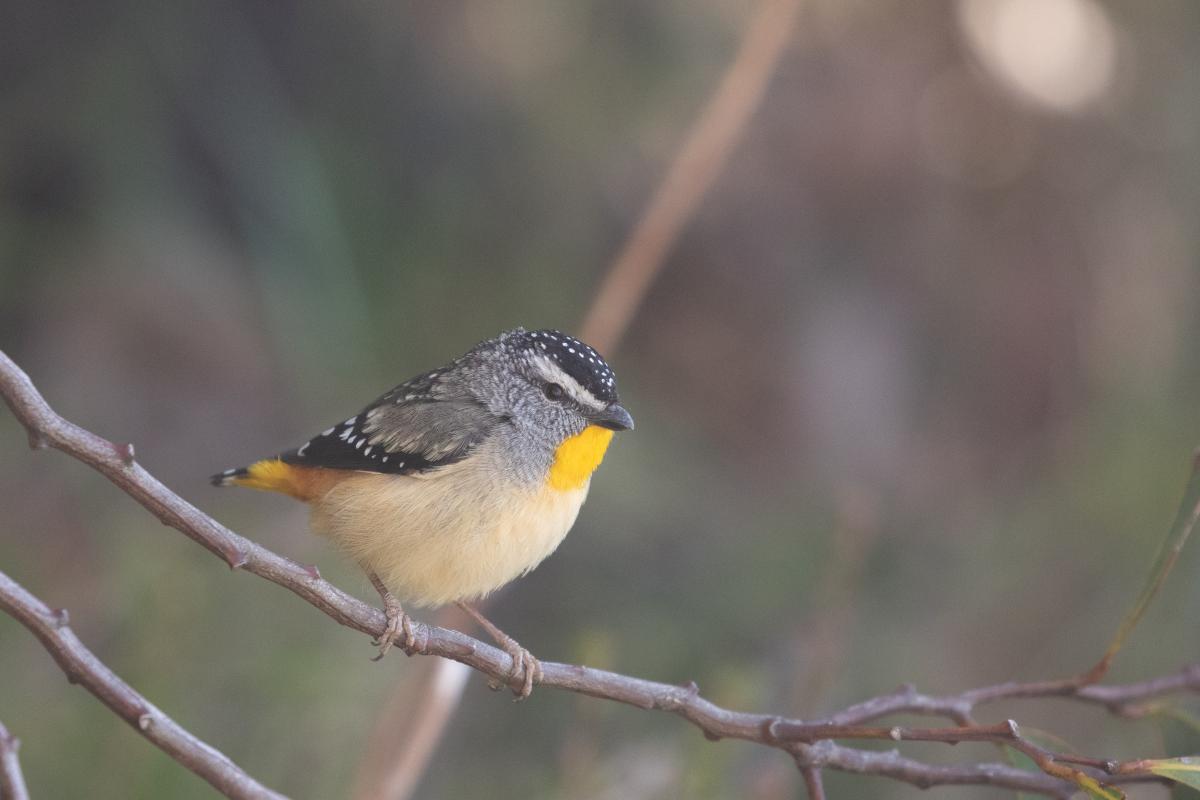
<point x="690" y="175"/>
<point x="45" y="427"/>
<point x="12" y="783"/>
<point x="83" y="667"/>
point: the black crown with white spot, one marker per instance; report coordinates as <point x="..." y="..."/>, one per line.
<point x="577" y="359"/>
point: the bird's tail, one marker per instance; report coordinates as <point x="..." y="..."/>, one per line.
<point x="230" y="477"/>
<point x="275" y="475"/>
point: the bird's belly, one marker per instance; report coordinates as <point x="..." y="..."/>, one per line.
<point x="446" y="538"/>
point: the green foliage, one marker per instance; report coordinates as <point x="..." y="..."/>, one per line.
<point x="1185" y="770"/>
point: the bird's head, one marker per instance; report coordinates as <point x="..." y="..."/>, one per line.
<point x="547" y="382"/>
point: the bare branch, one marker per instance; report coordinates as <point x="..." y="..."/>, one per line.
<point x="891" y="764"/>
<point x="1121" y="699"/>
<point x="12" y="783"/>
<point x="81" y="666"/>
<point x="813" y="782"/>
<point x="807" y="741"/>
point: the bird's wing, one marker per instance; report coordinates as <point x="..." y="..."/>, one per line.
<point x="422" y="424"/>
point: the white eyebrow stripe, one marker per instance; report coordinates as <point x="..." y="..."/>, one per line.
<point x="556" y="374"/>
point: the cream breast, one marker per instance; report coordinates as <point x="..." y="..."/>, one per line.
<point x="455" y="534"/>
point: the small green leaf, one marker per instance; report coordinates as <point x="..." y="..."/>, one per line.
<point x="1096" y="789"/>
<point x="1184" y="770"/>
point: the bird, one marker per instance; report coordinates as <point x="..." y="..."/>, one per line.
<point x="459" y="480"/>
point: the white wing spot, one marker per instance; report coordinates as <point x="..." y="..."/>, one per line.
<point x="303" y="447"/>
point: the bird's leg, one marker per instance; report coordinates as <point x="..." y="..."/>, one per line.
<point x="399" y="624"/>
<point x="525" y="666"/>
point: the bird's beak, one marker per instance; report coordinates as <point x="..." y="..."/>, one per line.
<point x="615" y="418"/>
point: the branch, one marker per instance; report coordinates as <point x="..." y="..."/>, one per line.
<point x="12" y="784"/>
<point x="81" y="666"/>
<point x="1120" y="699"/>
<point x="814" y="784"/>
<point x="891" y="764"/>
<point x="805" y="740"/>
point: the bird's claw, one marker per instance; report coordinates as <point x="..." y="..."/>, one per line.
<point x="399" y="629"/>
<point x="525" y="667"/>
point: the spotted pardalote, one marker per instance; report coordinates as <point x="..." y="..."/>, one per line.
<point x="461" y="479"/>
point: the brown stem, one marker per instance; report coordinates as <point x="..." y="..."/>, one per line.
<point x="813" y="783"/>
<point x="81" y="666"/>
<point x="690" y="175"/>
<point x="12" y="782"/>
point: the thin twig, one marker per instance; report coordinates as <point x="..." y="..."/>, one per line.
<point x="12" y="782"/>
<point x="1120" y="699"/>
<point x="83" y="667"/>
<point x="696" y="165"/>
<point x="813" y="783"/>
<point x="890" y="764"/>
<point x="45" y="427"/>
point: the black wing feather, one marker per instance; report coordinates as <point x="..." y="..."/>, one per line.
<point x="424" y="423"/>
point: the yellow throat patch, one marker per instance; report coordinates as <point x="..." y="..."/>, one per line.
<point x="577" y="458"/>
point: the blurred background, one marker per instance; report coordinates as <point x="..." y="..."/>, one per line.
<point x="915" y="390"/>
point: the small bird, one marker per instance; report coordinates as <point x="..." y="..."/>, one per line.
<point x="461" y="479"/>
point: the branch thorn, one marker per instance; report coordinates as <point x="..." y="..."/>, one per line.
<point x="36" y="440"/>
<point x="236" y="559"/>
<point x="125" y="452"/>
<point x="145" y="720"/>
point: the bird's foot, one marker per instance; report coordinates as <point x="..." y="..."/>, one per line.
<point x="399" y="625"/>
<point x="525" y="667"/>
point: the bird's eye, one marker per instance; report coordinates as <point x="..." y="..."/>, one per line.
<point x="554" y="391"/>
